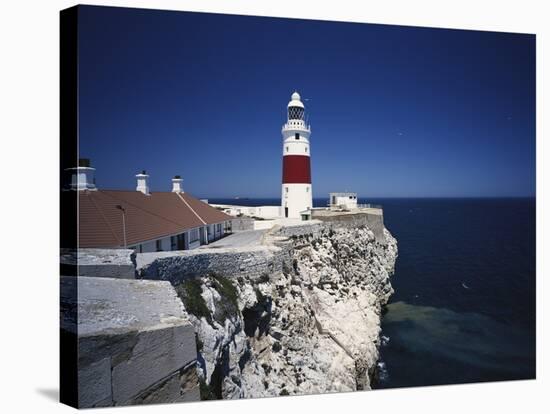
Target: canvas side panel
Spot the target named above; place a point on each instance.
(68, 127)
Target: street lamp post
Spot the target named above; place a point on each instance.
(123, 222)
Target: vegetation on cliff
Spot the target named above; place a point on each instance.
(190, 293)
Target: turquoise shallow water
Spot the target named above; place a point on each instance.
(424, 345)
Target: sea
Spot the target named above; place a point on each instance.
(464, 307)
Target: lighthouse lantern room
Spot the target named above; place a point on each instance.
(296, 199)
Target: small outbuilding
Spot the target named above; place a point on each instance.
(347, 201)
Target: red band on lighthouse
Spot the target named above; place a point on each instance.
(296, 169)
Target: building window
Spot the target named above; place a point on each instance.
(177, 242)
(193, 235)
(286, 189)
(286, 149)
(307, 189)
(296, 136)
(158, 244)
(306, 149)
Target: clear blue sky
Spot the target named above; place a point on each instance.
(395, 111)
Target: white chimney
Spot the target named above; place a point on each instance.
(143, 182)
(82, 177)
(176, 184)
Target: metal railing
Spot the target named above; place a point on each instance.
(359, 206)
(379, 206)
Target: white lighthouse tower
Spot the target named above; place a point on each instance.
(296, 199)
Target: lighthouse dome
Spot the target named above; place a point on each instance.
(295, 100)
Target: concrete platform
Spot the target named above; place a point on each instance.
(240, 239)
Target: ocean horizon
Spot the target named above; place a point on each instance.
(323, 201)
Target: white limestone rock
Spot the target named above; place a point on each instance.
(312, 328)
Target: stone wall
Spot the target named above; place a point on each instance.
(242, 224)
(299, 230)
(374, 221)
(135, 343)
(249, 262)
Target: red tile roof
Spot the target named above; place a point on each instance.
(148, 217)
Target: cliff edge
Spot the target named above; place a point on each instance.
(305, 320)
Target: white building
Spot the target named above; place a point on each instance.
(143, 220)
(347, 201)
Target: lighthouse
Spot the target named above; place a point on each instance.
(296, 198)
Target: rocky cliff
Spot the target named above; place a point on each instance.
(311, 325)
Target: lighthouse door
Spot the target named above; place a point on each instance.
(286, 212)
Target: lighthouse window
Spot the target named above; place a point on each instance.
(307, 189)
(286, 149)
(297, 136)
(306, 149)
(295, 113)
(286, 189)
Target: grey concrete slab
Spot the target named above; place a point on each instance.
(132, 335)
(97, 377)
(111, 263)
(123, 305)
(156, 355)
